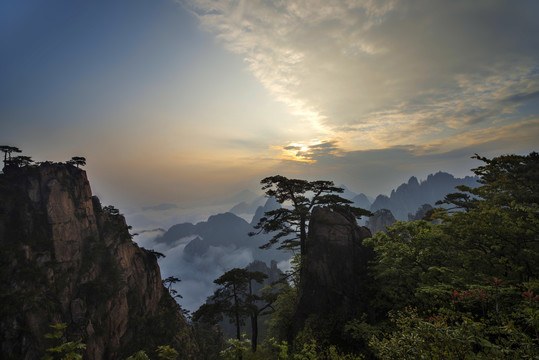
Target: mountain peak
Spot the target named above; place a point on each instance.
(413, 181)
(409, 197)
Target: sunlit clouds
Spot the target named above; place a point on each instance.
(311, 152)
(384, 73)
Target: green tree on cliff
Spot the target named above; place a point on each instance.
(289, 225)
(78, 161)
(20, 161)
(7, 150)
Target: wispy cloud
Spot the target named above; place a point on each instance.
(312, 151)
(383, 73)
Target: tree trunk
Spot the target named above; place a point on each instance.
(254, 329)
(236, 313)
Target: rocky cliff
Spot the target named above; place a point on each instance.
(65, 258)
(380, 220)
(334, 275)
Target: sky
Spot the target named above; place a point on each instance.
(190, 101)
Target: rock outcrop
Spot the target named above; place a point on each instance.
(380, 220)
(334, 274)
(66, 259)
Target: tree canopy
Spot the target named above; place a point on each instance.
(236, 300)
(8, 150)
(467, 284)
(289, 224)
(501, 223)
(19, 161)
(78, 161)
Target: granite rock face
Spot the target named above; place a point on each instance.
(380, 220)
(334, 276)
(65, 258)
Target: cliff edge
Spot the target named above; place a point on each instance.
(65, 258)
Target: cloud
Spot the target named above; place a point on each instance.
(381, 73)
(311, 152)
(522, 97)
(376, 171)
(197, 275)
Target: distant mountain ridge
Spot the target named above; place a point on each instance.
(409, 197)
(248, 207)
(361, 201)
(223, 230)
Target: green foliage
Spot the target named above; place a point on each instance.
(237, 301)
(508, 178)
(498, 234)
(308, 348)
(63, 350)
(166, 352)
(270, 349)
(7, 150)
(452, 335)
(209, 339)
(284, 305)
(361, 331)
(19, 161)
(169, 282)
(473, 277)
(71, 350)
(163, 352)
(236, 349)
(289, 225)
(416, 263)
(280, 324)
(139, 355)
(77, 160)
(276, 349)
